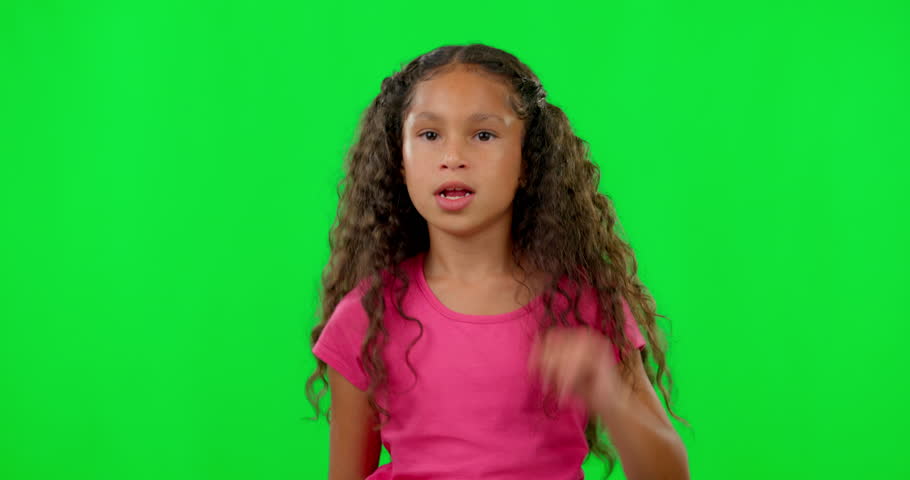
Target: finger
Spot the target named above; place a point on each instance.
(534, 356)
(565, 384)
(574, 364)
(546, 369)
(553, 358)
(548, 363)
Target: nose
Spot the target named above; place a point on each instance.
(452, 159)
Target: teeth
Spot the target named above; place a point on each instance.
(443, 194)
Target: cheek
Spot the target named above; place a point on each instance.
(408, 169)
(412, 152)
(416, 183)
(412, 160)
(509, 171)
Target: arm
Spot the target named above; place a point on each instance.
(647, 443)
(354, 446)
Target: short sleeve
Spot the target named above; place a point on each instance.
(339, 343)
(631, 326)
(588, 304)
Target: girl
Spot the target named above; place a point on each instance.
(480, 316)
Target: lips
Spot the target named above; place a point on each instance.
(454, 189)
(453, 200)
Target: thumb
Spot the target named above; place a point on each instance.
(534, 355)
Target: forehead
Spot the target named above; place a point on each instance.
(460, 94)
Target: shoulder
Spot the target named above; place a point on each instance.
(591, 308)
(349, 314)
(351, 304)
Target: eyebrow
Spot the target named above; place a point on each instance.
(475, 117)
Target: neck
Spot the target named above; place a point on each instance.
(472, 257)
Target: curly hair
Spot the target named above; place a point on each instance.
(562, 225)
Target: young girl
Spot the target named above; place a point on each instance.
(480, 316)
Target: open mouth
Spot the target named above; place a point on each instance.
(455, 193)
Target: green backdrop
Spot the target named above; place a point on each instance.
(167, 182)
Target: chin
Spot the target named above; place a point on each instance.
(458, 227)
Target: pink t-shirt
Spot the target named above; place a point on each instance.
(476, 410)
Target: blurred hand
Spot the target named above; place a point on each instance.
(579, 361)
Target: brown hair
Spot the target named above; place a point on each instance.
(562, 225)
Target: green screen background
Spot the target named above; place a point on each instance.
(167, 182)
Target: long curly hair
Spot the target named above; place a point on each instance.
(562, 225)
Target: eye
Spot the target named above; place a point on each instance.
(422, 134)
(484, 132)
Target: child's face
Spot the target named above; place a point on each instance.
(450, 145)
